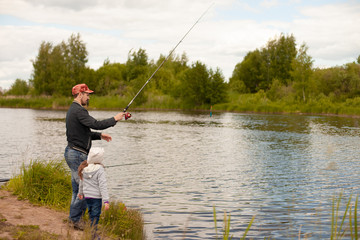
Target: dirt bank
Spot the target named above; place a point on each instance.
(18, 212)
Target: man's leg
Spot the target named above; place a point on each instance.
(73, 159)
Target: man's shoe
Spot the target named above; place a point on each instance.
(79, 225)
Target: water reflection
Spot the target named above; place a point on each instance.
(177, 166)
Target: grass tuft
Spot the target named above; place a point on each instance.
(44, 183)
(123, 222)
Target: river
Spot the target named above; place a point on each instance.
(177, 166)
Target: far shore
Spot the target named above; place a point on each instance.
(63, 108)
(245, 104)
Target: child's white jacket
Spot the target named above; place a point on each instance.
(94, 183)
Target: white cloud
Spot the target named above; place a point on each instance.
(330, 32)
(269, 3)
(111, 28)
(67, 4)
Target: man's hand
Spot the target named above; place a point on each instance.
(119, 116)
(106, 137)
(80, 196)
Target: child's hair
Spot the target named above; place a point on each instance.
(83, 165)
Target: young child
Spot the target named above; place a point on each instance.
(93, 184)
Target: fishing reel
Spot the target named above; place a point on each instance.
(127, 115)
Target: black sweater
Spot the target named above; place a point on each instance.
(78, 124)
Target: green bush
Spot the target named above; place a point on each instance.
(45, 183)
(122, 222)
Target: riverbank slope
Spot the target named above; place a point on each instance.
(14, 212)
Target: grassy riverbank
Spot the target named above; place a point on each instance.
(49, 184)
(256, 103)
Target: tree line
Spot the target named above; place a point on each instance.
(280, 70)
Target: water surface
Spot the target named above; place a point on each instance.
(176, 166)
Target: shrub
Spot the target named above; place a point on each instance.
(119, 221)
(47, 183)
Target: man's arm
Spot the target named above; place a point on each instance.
(91, 122)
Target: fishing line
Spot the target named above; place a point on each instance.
(125, 109)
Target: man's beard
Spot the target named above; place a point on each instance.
(85, 104)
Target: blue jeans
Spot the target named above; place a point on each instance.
(73, 159)
(94, 208)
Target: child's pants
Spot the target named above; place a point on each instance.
(94, 207)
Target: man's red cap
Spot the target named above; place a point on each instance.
(81, 88)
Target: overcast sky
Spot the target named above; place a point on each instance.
(229, 30)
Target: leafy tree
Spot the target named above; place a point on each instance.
(137, 68)
(249, 72)
(136, 65)
(163, 81)
(19, 88)
(260, 67)
(111, 79)
(352, 79)
(74, 59)
(274, 93)
(201, 86)
(88, 75)
(217, 87)
(235, 82)
(327, 80)
(166, 78)
(280, 53)
(194, 85)
(41, 76)
(339, 82)
(57, 72)
(57, 69)
(302, 70)
(177, 63)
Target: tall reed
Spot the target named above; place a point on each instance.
(344, 225)
(226, 228)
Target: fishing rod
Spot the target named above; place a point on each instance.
(128, 115)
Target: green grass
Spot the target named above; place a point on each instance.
(258, 103)
(25, 232)
(35, 102)
(119, 221)
(48, 183)
(44, 183)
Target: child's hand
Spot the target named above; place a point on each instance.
(80, 196)
(107, 206)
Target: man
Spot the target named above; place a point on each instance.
(79, 137)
